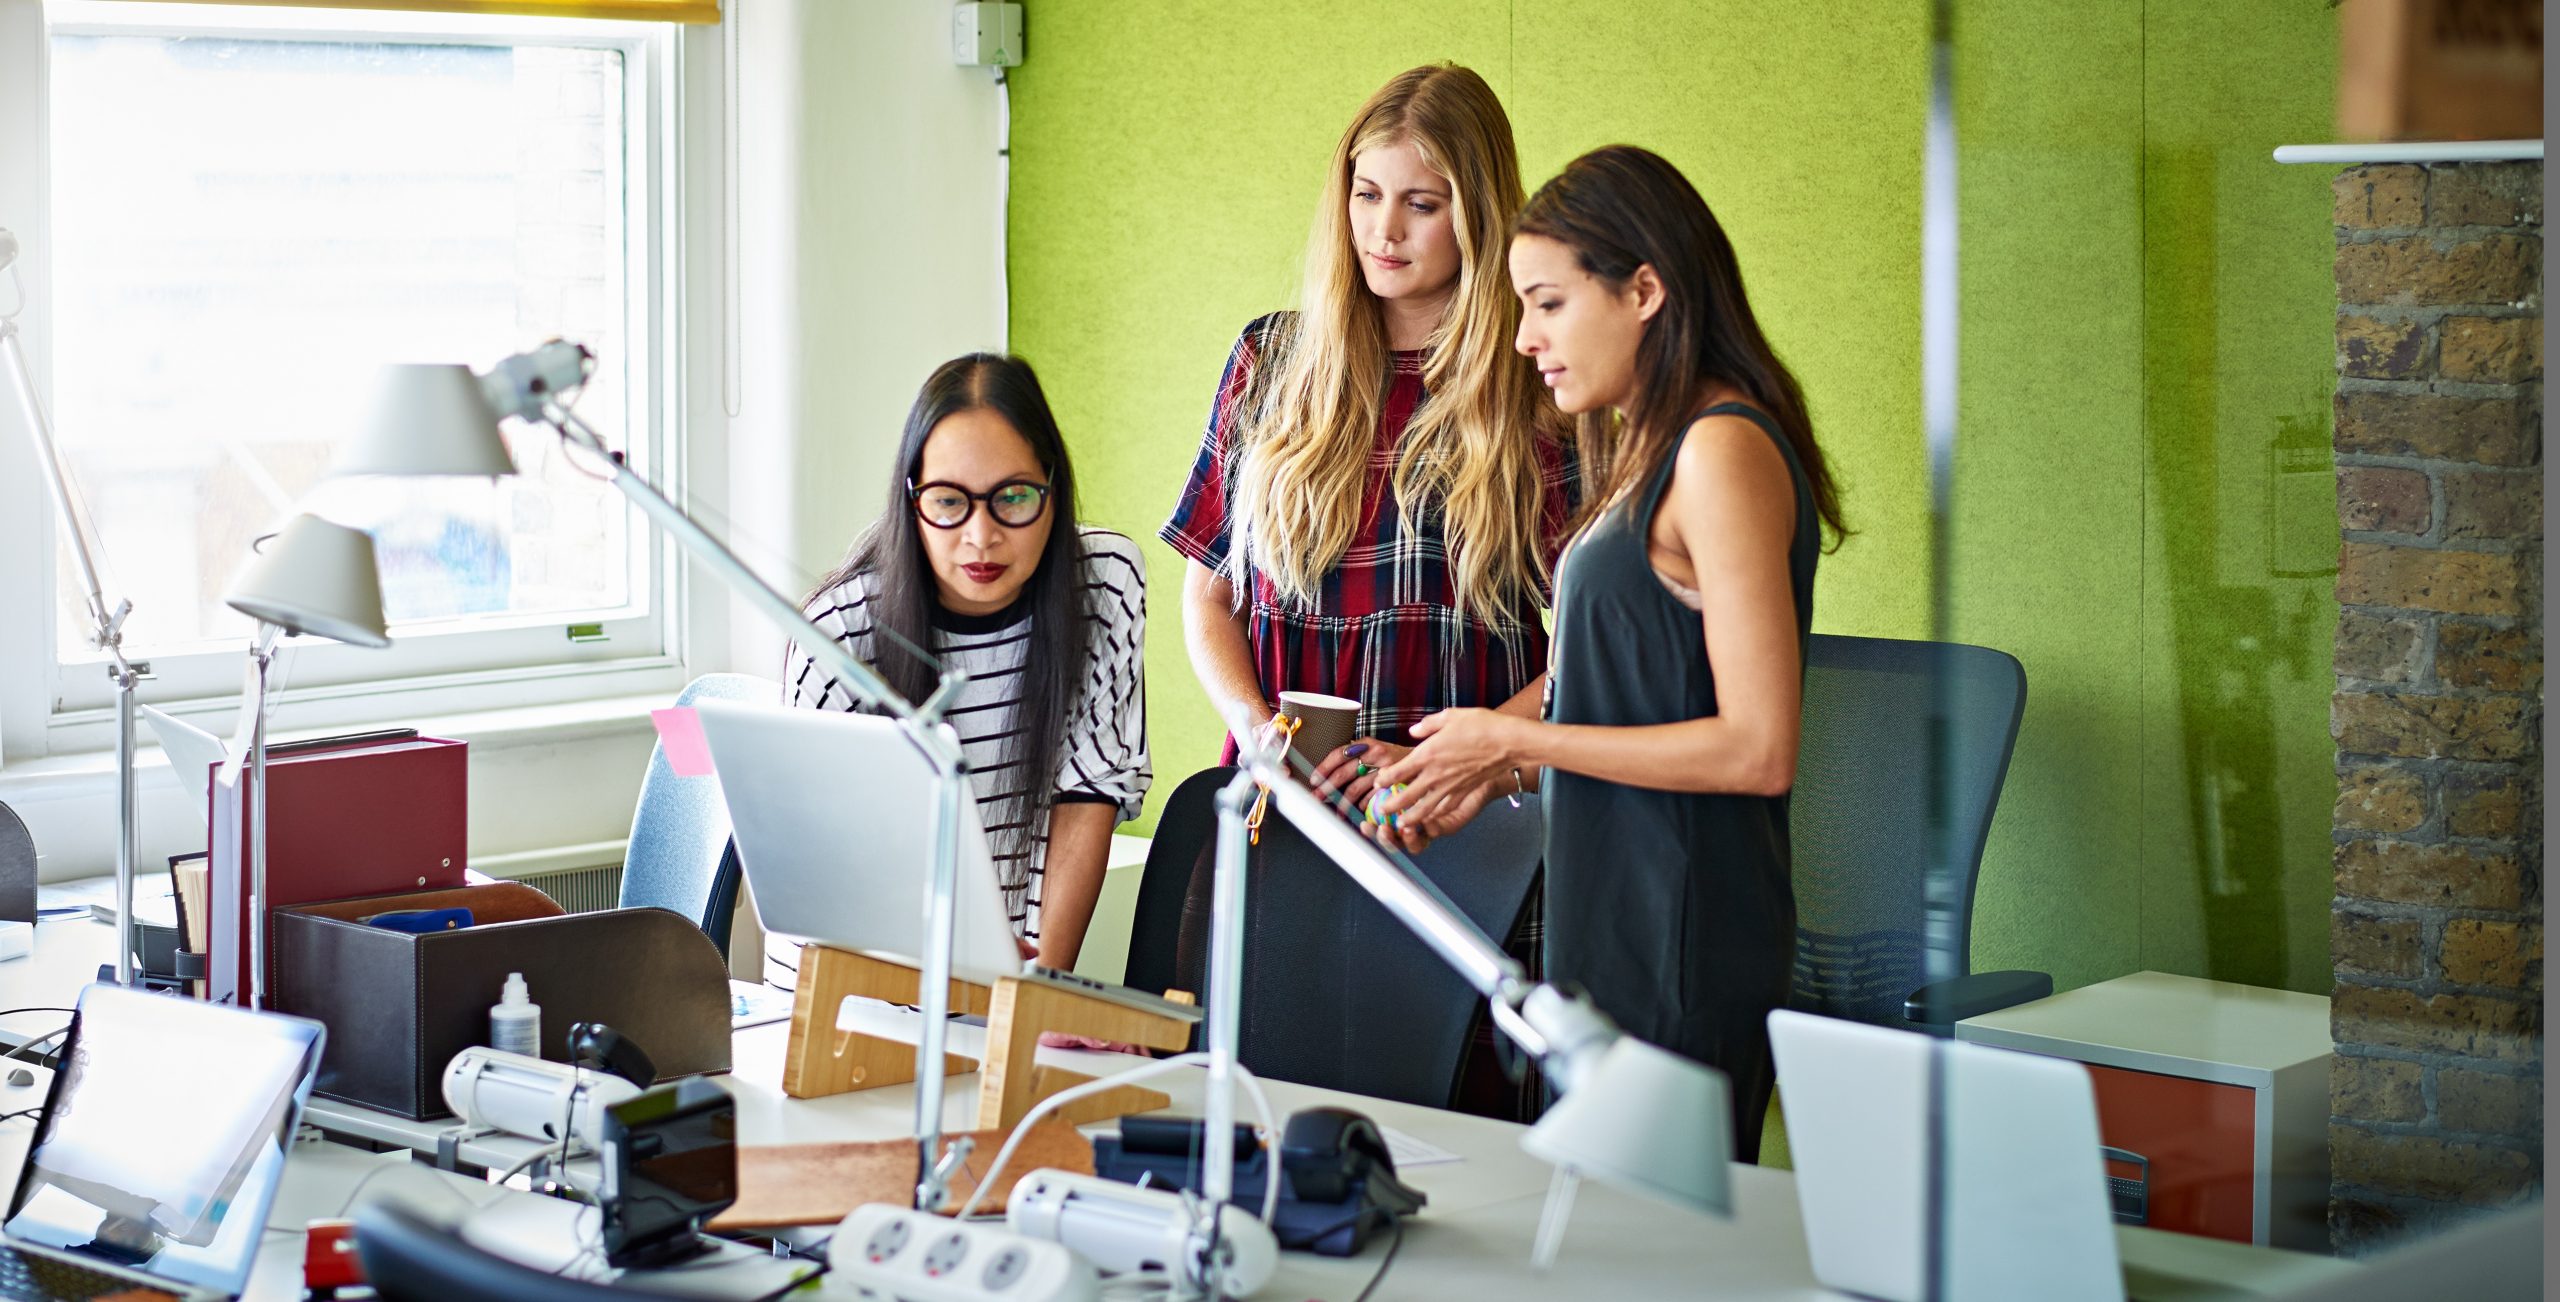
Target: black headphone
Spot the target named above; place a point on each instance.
(598, 1047)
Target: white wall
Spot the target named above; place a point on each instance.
(871, 220)
(868, 215)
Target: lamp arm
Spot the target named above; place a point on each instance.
(1563, 1030)
(1408, 895)
(108, 620)
(864, 681)
(924, 730)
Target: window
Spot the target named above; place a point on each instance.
(245, 213)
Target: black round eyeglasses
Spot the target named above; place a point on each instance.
(1015, 503)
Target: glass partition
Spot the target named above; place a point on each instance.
(2246, 479)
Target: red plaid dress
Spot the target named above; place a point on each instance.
(1385, 628)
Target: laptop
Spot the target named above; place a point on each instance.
(158, 1150)
(833, 815)
(2026, 1211)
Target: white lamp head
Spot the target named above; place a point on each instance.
(1643, 1118)
(315, 577)
(426, 420)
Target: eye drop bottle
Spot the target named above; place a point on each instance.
(515, 1021)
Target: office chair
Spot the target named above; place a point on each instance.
(1184, 825)
(410, 1258)
(1337, 993)
(680, 858)
(1860, 823)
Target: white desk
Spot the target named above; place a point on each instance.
(1471, 1242)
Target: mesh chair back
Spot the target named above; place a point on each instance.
(1859, 817)
(680, 858)
(1184, 825)
(1339, 994)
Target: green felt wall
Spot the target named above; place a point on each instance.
(1167, 159)
(2146, 316)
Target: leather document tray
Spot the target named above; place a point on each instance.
(400, 1004)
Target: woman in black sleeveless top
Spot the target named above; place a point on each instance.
(1676, 683)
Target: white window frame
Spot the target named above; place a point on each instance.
(56, 704)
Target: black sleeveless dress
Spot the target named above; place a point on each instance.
(1675, 911)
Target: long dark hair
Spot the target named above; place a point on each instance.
(1619, 208)
(903, 596)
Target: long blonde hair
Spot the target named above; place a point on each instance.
(1469, 451)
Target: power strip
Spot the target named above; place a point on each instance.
(1121, 1227)
(918, 1257)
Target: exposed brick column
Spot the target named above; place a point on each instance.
(2436, 1094)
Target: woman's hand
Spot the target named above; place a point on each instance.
(1354, 768)
(1415, 835)
(1447, 777)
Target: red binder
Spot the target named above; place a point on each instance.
(367, 817)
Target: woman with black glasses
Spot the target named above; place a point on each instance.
(978, 560)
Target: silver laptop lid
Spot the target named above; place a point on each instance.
(2026, 1211)
(833, 814)
(164, 1136)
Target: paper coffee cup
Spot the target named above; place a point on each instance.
(1325, 723)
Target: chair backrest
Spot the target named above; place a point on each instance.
(1337, 993)
(1871, 759)
(409, 1258)
(1184, 825)
(679, 858)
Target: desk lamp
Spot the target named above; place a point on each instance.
(106, 630)
(1631, 1114)
(314, 577)
(444, 420)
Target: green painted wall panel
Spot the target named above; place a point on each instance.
(1167, 159)
(2142, 502)
(1801, 125)
(1167, 162)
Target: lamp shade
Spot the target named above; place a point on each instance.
(426, 420)
(315, 577)
(1645, 1119)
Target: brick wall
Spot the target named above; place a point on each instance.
(2436, 1091)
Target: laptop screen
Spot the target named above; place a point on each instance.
(164, 1137)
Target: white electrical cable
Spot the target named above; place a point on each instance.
(1252, 1088)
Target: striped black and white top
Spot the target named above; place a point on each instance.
(1103, 756)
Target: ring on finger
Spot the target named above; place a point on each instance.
(1361, 770)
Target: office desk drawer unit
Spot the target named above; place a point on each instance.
(2221, 1089)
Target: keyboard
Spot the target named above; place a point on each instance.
(28, 1278)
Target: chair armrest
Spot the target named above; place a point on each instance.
(1945, 1003)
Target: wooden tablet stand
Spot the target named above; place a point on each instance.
(823, 1060)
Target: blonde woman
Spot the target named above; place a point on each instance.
(1383, 484)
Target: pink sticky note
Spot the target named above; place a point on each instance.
(680, 736)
